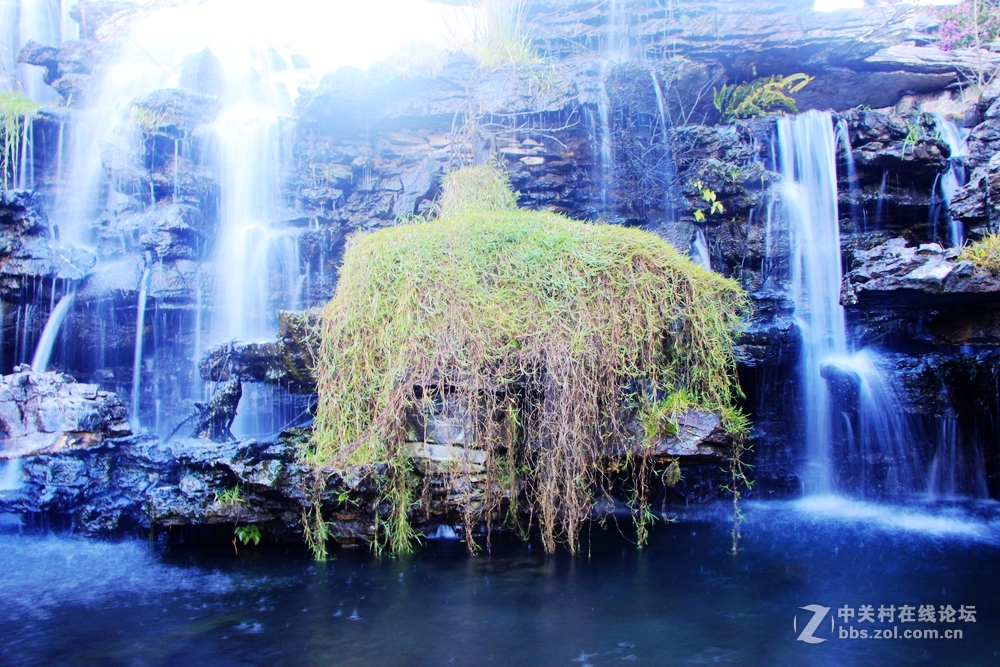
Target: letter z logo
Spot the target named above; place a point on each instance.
(819, 613)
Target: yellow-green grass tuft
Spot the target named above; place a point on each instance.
(984, 253)
(579, 339)
(503, 33)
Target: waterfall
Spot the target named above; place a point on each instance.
(699, 250)
(953, 179)
(140, 325)
(40, 360)
(242, 149)
(252, 245)
(854, 189)
(25, 177)
(880, 203)
(807, 159)
(10, 474)
(255, 264)
(615, 49)
(604, 155)
(669, 169)
(956, 470)
(849, 411)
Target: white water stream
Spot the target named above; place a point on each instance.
(879, 455)
(955, 177)
(40, 360)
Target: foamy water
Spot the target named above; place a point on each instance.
(976, 522)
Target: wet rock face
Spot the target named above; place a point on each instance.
(125, 486)
(27, 248)
(68, 69)
(51, 411)
(868, 57)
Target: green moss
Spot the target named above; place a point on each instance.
(562, 334)
(984, 254)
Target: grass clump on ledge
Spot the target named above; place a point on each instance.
(576, 344)
(502, 33)
(984, 253)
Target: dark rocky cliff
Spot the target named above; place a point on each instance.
(367, 147)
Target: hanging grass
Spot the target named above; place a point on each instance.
(573, 346)
(16, 113)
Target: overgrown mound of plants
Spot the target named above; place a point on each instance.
(573, 346)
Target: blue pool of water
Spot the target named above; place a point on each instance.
(683, 600)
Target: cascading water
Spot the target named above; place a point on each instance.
(950, 181)
(251, 247)
(699, 244)
(40, 360)
(615, 50)
(958, 468)
(140, 326)
(807, 154)
(252, 266)
(10, 474)
(845, 399)
(251, 253)
(857, 212)
(699, 250)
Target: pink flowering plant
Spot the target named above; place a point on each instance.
(959, 23)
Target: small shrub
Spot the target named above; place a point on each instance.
(709, 195)
(959, 24)
(147, 120)
(760, 96)
(984, 254)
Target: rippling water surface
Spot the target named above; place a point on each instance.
(683, 600)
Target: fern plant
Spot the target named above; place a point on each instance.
(760, 96)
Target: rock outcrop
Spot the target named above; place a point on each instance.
(51, 412)
(894, 274)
